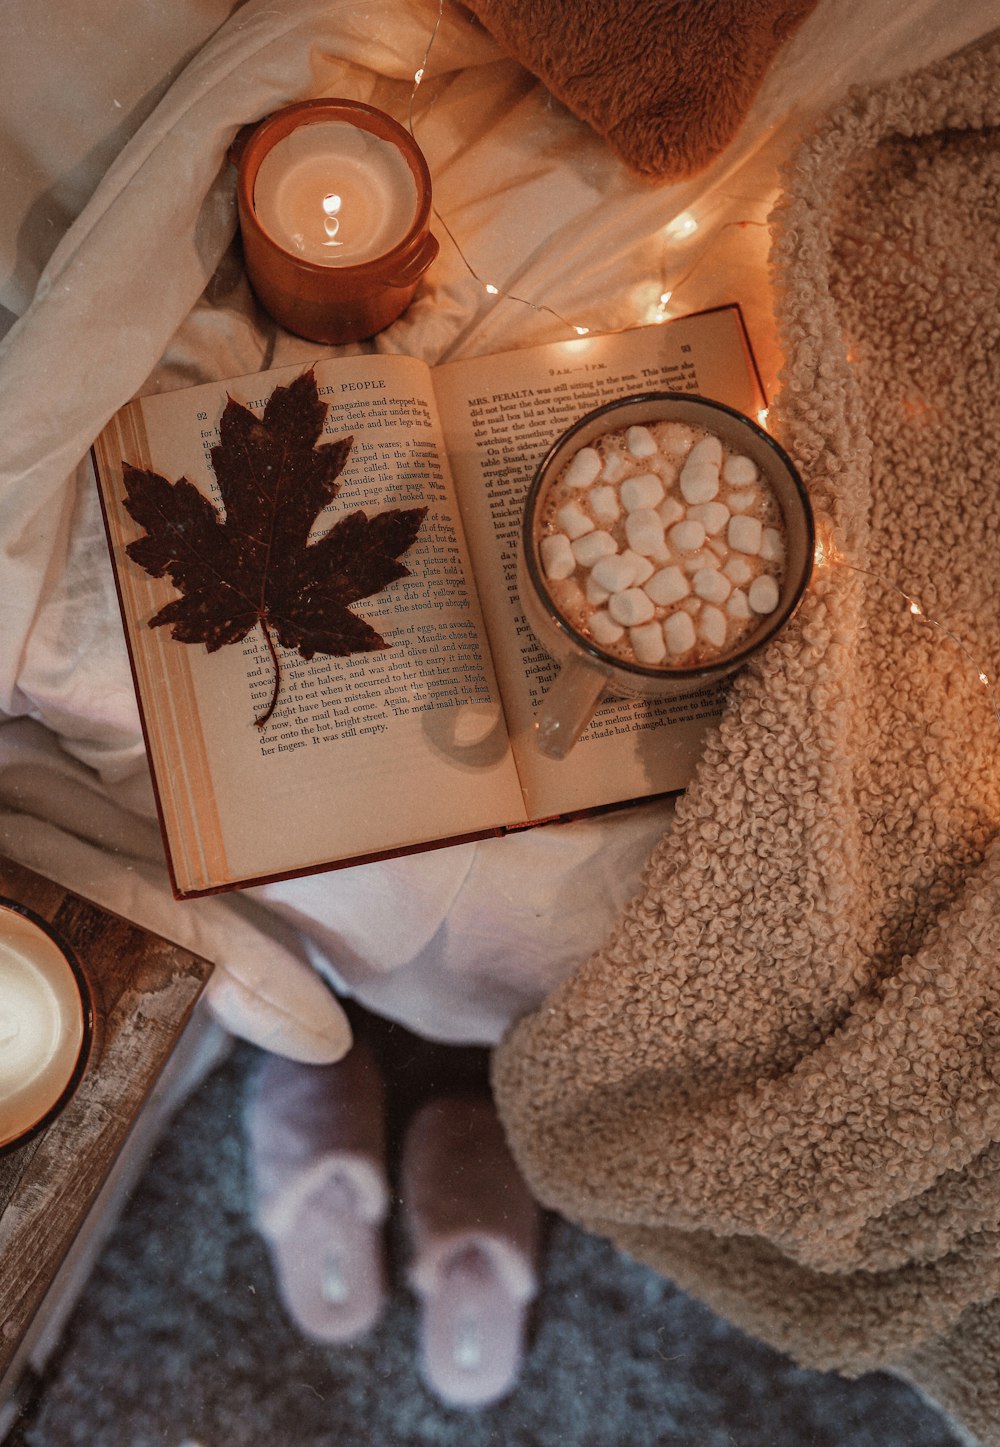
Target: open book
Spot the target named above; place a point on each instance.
(427, 741)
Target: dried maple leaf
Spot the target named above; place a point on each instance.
(256, 565)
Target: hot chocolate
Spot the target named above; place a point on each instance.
(662, 545)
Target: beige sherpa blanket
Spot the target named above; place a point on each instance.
(779, 1080)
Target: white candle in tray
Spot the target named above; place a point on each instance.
(43, 1024)
(335, 194)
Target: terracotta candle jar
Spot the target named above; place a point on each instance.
(46, 1024)
(334, 203)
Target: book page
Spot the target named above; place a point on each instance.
(364, 754)
(501, 415)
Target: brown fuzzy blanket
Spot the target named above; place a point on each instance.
(667, 83)
(779, 1080)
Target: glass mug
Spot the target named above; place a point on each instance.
(586, 670)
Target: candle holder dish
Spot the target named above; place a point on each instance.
(322, 301)
(46, 1024)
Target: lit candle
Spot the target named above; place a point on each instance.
(335, 194)
(44, 1024)
(334, 201)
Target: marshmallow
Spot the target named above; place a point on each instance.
(572, 598)
(667, 586)
(738, 471)
(713, 516)
(603, 628)
(631, 607)
(710, 584)
(699, 481)
(737, 605)
(557, 556)
(648, 643)
(614, 469)
(642, 568)
(738, 571)
(712, 626)
(644, 531)
(592, 546)
(614, 572)
(686, 536)
(584, 468)
(573, 520)
(676, 438)
(678, 633)
(645, 490)
(595, 593)
(763, 594)
(604, 505)
(708, 449)
(671, 510)
(705, 559)
(640, 442)
(742, 501)
(744, 534)
(772, 546)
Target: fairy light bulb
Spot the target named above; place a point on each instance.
(659, 310)
(683, 225)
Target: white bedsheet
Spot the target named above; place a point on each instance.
(116, 222)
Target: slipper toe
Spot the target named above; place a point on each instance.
(473, 1328)
(330, 1261)
(474, 1229)
(316, 1137)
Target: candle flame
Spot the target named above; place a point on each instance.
(331, 204)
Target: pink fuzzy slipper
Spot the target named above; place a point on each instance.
(474, 1230)
(317, 1142)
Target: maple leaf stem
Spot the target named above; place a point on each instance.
(262, 720)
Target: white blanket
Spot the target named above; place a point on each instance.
(116, 225)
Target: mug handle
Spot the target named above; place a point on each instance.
(567, 707)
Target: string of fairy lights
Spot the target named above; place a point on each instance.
(488, 287)
(828, 555)
(680, 228)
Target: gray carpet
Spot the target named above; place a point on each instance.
(179, 1338)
